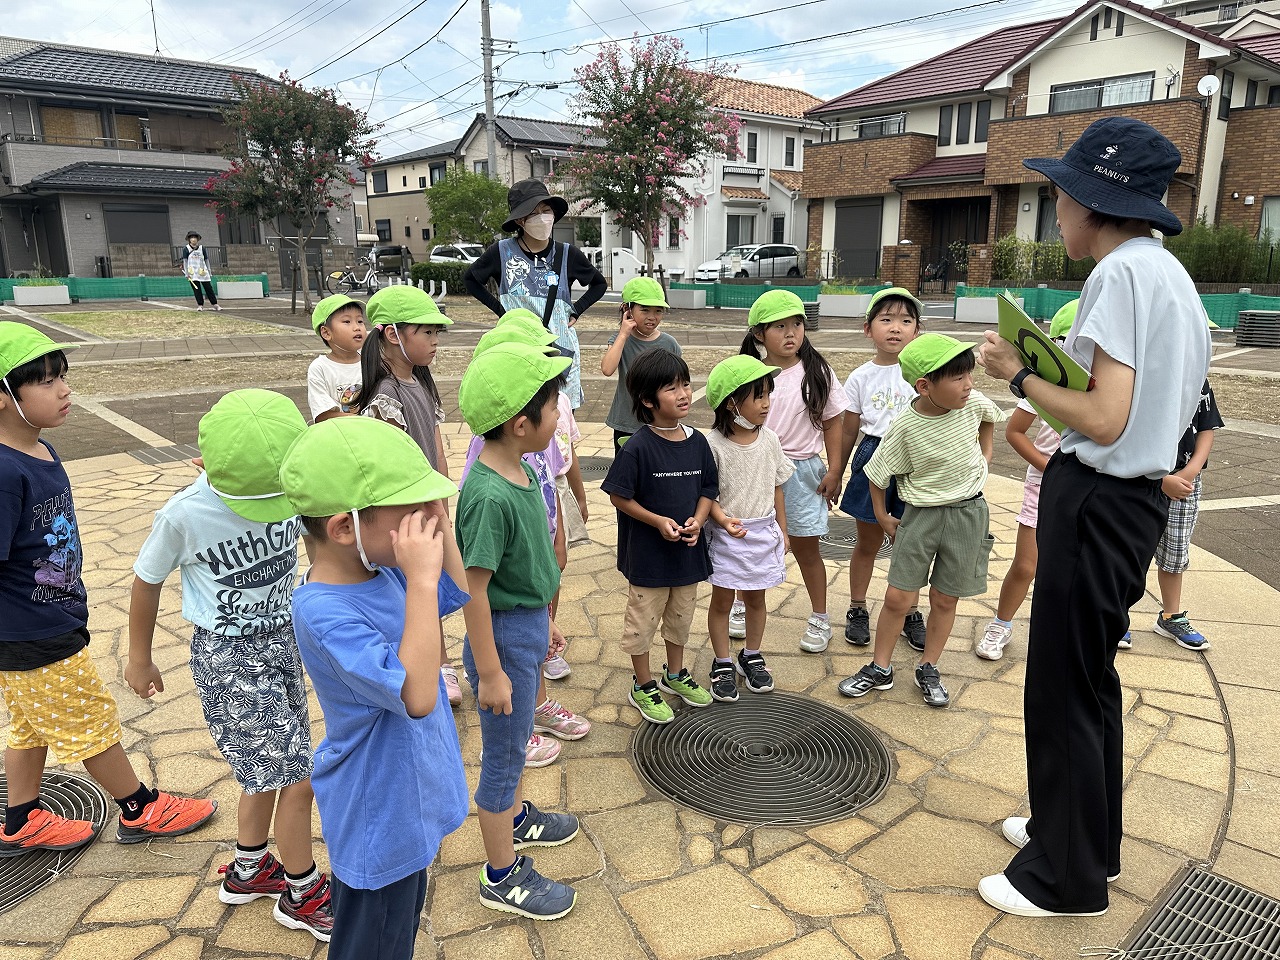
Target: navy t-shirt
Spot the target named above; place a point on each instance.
(41, 594)
(666, 478)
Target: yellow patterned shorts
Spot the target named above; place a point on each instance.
(64, 706)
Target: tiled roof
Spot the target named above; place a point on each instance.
(548, 132)
(787, 179)
(962, 69)
(1267, 47)
(751, 96)
(743, 193)
(55, 66)
(123, 178)
(971, 166)
(426, 153)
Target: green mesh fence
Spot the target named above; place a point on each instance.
(1042, 303)
(832, 289)
(744, 295)
(128, 288)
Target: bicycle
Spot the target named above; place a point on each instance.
(347, 281)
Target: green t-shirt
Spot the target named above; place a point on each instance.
(503, 527)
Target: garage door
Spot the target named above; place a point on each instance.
(857, 237)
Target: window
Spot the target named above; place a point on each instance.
(881, 126)
(964, 113)
(1106, 18)
(404, 181)
(739, 229)
(1273, 95)
(1251, 93)
(422, 183)
(80, 128)
(359, 223)
(1270, 226)
(752, 140)
(437, 172)
(426, 233)
(542, 167)
(408, 230)
(379, 181)
(481, 167)
(1047, 219)
(789, 153)
(1119, 23)
(944, 125)
(384, 229)
(1093, 28)
(981, 120)
(1224, 98)
(778, 233)
(1228, 12)
(1133, 88)
(673, 233)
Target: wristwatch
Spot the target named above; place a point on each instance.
(1015, 385)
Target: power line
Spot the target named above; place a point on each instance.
(411, 52)
(306, 25)
(342, 56)
(235, 51)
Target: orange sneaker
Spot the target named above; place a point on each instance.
(46, 831)
(166, 816)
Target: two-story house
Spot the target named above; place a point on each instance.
(1217, 16)
(919, 164)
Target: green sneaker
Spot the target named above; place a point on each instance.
(649, 702)
(683, 685)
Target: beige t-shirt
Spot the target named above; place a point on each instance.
(749, 472)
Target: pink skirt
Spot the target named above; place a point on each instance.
(754, 562)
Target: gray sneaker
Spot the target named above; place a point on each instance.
(871, 677)
(817, 634)
(914, 630)
(857, 626)
(1179, 629)
(539, 829)
(737, 620)
(527, 893)
(930, 684)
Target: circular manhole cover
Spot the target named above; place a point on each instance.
(842, 534)
(68, 796)
(594, 468)
(776, 758)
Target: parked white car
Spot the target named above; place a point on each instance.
(456, 253)
(766, 260)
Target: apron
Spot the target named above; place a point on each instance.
(523, 284)
(755, 562)
(197, 266)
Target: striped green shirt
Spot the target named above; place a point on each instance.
(937, 460)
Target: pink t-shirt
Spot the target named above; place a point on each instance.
(789, 419)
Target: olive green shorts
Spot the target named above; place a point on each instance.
(953, 540)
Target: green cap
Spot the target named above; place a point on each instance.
(350, 463)
(1061, 323)
(242, 440)
(645, 291)
(902, 292)
(517, 332)
(403, 304)
(501, 380)
(524, 317)
(774, 305)
(327, 307)
(728, 375)
(926, 353)
(21, 344)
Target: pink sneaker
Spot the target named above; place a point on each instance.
(451, 686)
(554, 719)
(540, 751)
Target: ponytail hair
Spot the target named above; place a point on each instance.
(815, 388)
(374, 368)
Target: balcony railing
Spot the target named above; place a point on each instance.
(111, 143)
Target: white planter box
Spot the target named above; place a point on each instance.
(978, 309)
(239, 290)
(41, 296)
(687, 299)
(843, 305)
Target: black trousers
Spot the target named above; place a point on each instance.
(208, 290)
(1097, 535)
(377, 924)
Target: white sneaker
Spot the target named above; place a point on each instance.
(738, 620)
(994, 639)
(817, 634)
(199, 309)
(1001, 894)
(1015, 831)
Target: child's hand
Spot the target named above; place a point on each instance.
(628, 324)
(494, 693)
(669, 529)
(144, 679)
(786, 542)
(1176, 487)
(582, 508)
(734, 528)
(889, 525)
(419, 547)
(829, 487)
(557, 643)
(691, 530)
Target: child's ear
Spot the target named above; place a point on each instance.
(323, 329)
(340, 529)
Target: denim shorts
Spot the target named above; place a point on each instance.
(856, 501)
(806, 511)
(521, 636)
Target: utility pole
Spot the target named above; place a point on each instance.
(486, 49)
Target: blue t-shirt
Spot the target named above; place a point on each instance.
(667, 478)
(237, 575)
(41, 593)
(389, 787)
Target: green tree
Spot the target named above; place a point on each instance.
(467, 206)
(653, 132)
(291, 149)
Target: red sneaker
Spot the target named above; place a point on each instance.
(46, 831)
(165, 816)
(313, 913)
(267, 881)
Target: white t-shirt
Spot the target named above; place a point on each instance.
(749, 472)
(789, 419)
(331, 385)
(1140, 307)
(877, 393)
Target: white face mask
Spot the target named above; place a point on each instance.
(538, 226)
(741, 422)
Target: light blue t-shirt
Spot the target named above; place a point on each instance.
(237, 575)
(389, 787)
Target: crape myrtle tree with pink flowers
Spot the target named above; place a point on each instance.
(651, 130)
(291, 150)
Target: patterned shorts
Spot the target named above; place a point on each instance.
(1173, 552)
(255, 703)
(85, 721)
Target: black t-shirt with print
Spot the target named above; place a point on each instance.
(1206, 417)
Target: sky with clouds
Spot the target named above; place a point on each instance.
(431, 94)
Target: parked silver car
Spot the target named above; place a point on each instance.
(767, 260)
(460, 252)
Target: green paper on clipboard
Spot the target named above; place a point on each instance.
(1050, 362)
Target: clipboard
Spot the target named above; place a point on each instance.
(1050, 362)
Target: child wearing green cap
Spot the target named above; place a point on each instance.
(388, 776)
(233, 536)
(939, 449)
(333, 380)
(44, 619)
(508, 396)
(643, 307)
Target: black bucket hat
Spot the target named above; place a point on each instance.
(1119, 166)
(524, 196)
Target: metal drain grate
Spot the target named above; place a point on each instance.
(154, 455)
(1210, 916)
(68, 796)
(777, 758)
(594, 468)
(842, 534)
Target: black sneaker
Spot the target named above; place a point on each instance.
(724, 684)
(870, 677)
(759, 679)
(913, 630)
(930, 684)
(857, 626)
